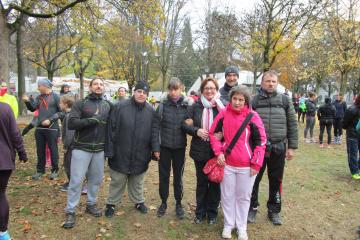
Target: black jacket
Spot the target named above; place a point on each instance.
(89, 118)
(133, 135)
(340, 107)
(172, 116)
(199, 150)
(326, 112)
(351, 117)
(310, 108)
(224, 93)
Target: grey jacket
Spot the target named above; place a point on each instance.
(278, 115)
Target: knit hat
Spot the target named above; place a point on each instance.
(45, 82)
(143, 86)
(232, 69)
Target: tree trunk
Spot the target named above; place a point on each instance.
(20, 65)
(254, 82)
(163, 74)
(4, 49)
(50, 75)
(343, 81)
(81, 76)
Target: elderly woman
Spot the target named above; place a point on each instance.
(242, 163)
(202, 114)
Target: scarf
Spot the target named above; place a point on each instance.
(207, 115)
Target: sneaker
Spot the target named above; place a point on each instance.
(275, 218)
(313, 140)
(110, 210)
(141, 208)
(37, 176)
(252, 215)
(328, 146)
(69, 221)
(84, 189)
(5, 236)
(161, 210)
(53, 176)
(198, 220)
(93, 210)
(179, 211)
(321, 145)
(64, 187)
(307, 140)
(356, 176)
(212, 221)
(226, 233)
(242, 235)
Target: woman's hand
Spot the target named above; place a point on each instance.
(203, 134)
(221, 159)
(46, 123)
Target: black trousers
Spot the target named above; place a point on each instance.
(175, 158)
(325, 123)
(4, 204)
(301, 115)
(67, 161)
(207, 194)
(338, 127)
(45, 136)
(275, 164)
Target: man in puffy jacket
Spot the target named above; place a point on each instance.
(326, 115)
(278, 115)
(340, 107)
(88, 117)
(133, 137)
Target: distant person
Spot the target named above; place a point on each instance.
(120, 95)
(286, 92)
(310, 117)
(302, 108)
(295, 100)
(10, 142)
(153, 101)
(65, 89)
(231, 80)
(326, 115)
(351, 118)
(340, 107)
(9, 99)
(194, 96)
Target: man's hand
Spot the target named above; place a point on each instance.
(221, 159)
(46, 123)
(290, 153)
(157, 155)
(218, 135)
(203, 134)
(25, 98)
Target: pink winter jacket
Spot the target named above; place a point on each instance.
(249, 150)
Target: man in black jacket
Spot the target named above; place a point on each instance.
(88, 118)
(231, 77)
(133, 137)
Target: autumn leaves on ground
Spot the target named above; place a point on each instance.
(320, 202)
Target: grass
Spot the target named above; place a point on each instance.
(320, 201)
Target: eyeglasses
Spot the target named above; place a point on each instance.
(209, 89)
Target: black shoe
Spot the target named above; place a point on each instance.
(198, 220)
(212, 221)
(179, 211)
(93, 210)
(110, 210)
(69, 221)
(252, 215)
(141, 208)
(275, 218)
(64, 187)
(161, 210)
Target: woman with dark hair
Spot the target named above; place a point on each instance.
(351, 118)
(326, 115)
(10, 140)
(244, 161)
(200, 117)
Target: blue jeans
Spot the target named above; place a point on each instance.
(353, 152)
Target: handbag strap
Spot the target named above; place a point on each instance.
(238, 133)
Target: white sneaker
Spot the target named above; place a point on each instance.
(226, 233)
(242, 235)
(307, 140)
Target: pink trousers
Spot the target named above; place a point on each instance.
(236, 189)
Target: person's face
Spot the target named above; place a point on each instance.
(63, 106)
(174, 93)
(269, 83)
(140, 96)
(209, 90)
(338, 97)
(66, 89)
(231, 79)
(295, 95)
(97, 86)
(121, 92)
(42, 89)
(238, 101)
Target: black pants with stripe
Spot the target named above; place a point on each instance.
(175, 158)
(45, 136)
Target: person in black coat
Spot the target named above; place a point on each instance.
(133, 137)
(326, 115)
(340, 107)
(172, 112)
(202, 114)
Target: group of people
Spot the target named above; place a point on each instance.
(244, 134)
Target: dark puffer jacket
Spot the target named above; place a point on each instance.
(199, 150)
(351, 117)
(172, 123)
(326, 112)
(278, 117)
(133, 135)
(340, 107)
(310, 108)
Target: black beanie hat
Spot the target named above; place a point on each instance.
(232, 69)
(143, 86)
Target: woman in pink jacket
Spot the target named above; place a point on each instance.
(244, 161)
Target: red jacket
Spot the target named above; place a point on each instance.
(249, 149)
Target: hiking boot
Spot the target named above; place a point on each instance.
(252, 215)
(110, 210)
(355, 176)
(64, 187)
(212, 220)
(275, 218)
(141, 208)
(53, 176)
(93, 210)
(179, 211)
(69, 221)
(198, 220)
(226, 233)
(161, 210)
(37, 176)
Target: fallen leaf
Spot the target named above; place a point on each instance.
(119, 213)
(138, 225)
(102, 223)
(172, 224)
(27, 227)
(152, 207)
(102, 230)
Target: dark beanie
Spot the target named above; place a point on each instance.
(232, 69)
(45, 82)
(327, 100)
(143, 86)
